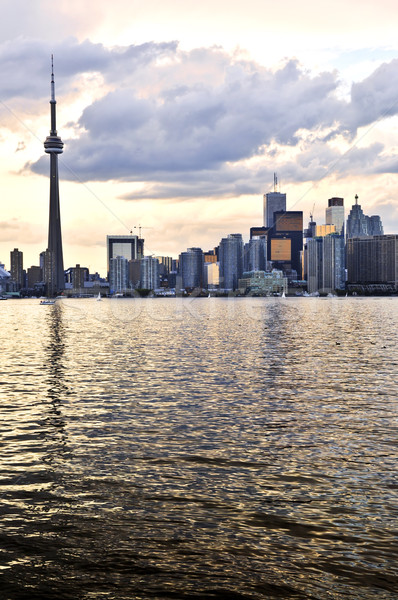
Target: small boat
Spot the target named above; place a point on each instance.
(283, 295)
(99, 297)
(47, 301)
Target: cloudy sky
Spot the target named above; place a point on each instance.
(175, 115)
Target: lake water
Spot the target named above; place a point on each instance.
(199, 448)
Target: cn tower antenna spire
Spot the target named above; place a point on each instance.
(52, 79)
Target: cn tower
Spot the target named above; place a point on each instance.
(54, 262)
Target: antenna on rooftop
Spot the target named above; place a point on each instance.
(275, 183)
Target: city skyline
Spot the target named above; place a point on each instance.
(178, 124)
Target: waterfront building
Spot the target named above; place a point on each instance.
(149, 274)
(191, 264)
(372, 263)
(54, 262)
(335, 214)
(325, 268)
(76, 277)
(34, 276)
(231, 261)
(263, 283)
(16, 269)
(5, 278)
(118, 274)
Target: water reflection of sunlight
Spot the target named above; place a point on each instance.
(55, 376)
(54, 354)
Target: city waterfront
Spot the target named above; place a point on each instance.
(226, 448)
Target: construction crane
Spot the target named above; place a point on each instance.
(139, 227)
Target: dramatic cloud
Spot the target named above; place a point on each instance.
(167, 116)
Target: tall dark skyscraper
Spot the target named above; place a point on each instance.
(54, 262)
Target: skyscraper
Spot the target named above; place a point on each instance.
(285, 242)
(360, 225)
(149, 278)
(256, 254)
(191, 268)
(231, 261)
(118, 274)
(273, 202)
(335, 214)
(333, 274)
(357, 222)
(54, 271)
(17, 274)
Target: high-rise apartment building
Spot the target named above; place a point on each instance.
(231, 261)
(16, 270)
(191, 264)
(118, 274)
(149, 278)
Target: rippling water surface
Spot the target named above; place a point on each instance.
(206, 448)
